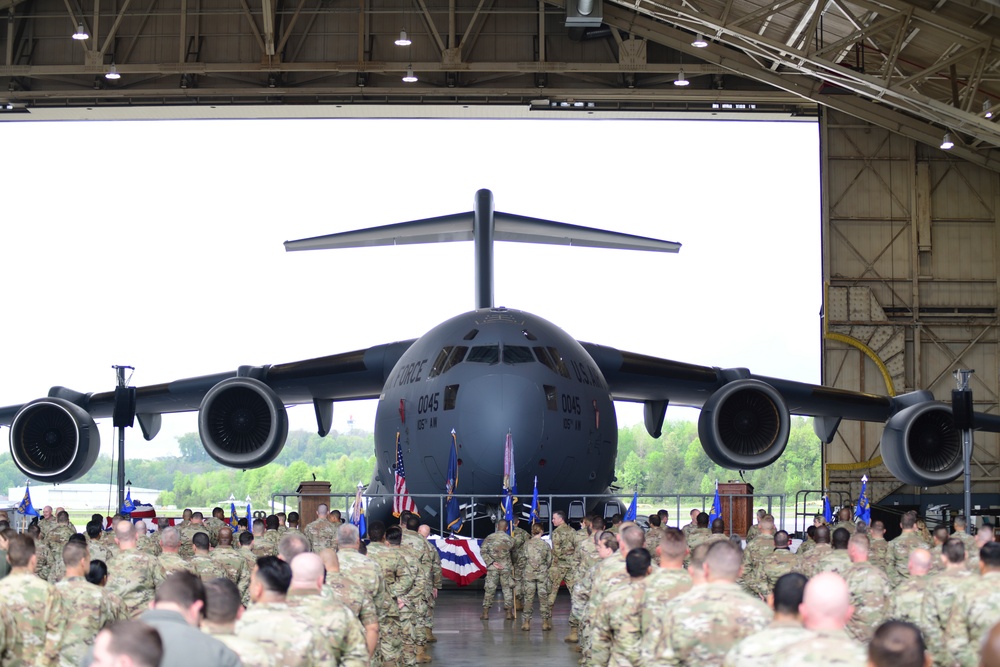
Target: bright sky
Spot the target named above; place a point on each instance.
(159, 244)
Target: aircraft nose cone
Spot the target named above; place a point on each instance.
(492, 405)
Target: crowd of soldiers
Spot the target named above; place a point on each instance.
(277, 595)
(697, 596)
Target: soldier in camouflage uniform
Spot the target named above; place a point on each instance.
(609, 575)
(236, 567)
(961, 533)
(898, 555)
(825, 611)
(35, 608)
(245, 549)
(605, 545)
(260, 546)
(754, 580)
(983, 536)
(196, 525)
(563, 560)
(942, 590)
(222, 606)
(655, 531)
(321, 533)
(495, 551)
(699, 627)
(617, 623)
(975, 610)
(271, 535)
(352, 595)
(86, 607)
(58, 535)
(691, 525)
(808, 564)
(436, 581)
(869, 588)
(42, 557)
(878, 549)
(399, 580)
(762, 649)
(906, 602)
(668, 580)
(133, 575)
(214, 524)
(700, 532)
(201, 563)
(754, 530)
(779, 562)
(837, 560)
(521, 537)
(95, 545)
(292, 526)
(535, 576)
(844, 521)
(144, 542)
(170, 559)
(939, 535)
(284, 631)
(587, 558)
(367, 573)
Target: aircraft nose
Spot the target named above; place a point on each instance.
(490, 406)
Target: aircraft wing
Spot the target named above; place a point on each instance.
(241, 413)
(744, 417)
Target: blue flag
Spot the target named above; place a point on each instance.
(716, 507)
(863, 511)
(630, 513)
(127, 506)
(827, 510)
(453, 514)
(234, 519)
(534, 504)
(25, 507)
(249, 516)
(509, 482)
(358, 514)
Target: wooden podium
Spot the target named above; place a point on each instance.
(313, 495)
(742, 508)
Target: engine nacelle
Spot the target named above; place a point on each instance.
(242, 423)
(54, 441)
(921, 446)
(744, 425)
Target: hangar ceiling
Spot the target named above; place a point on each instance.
(919, 68)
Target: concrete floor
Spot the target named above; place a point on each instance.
(463, 639)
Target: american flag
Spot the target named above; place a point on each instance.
(401, 502)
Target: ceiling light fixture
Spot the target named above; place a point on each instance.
(81, 32)
(699, 41)
(946, 143)
(987, 111)
(112, 73)
(410, 76)
(681, 80)
(403, 39)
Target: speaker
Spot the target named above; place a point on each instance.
(124, 414)
(962, 410)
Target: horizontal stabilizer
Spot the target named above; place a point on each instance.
(459, 227)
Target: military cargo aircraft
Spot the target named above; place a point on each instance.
(487, 373)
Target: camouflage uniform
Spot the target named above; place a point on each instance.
(335, 623)
(878, 552)
(587, 557)
(696, 536)
(57, 568)
(563, 560)
(268, 543)
(849, 526)
(237, 569)
(42, 559)
(777, 563)
(206, 568)
(898, 555)
(250, 652)
(147, 545)
(763, 648)
(495, 551)
(284, 634)
(944, 588)
(653, 537)
(906, 603)
(399, 580)
(423, 554)
(37, 615)
(870, 591)
(825, 647)
(808, 564)
(976, 609)
(322, 534)
(535, 577)
(805, 547)
(836, 560)
(351, 595)
(86, 609)
(659, 589)
(187, 532)
(367, 573)
(699, 627)
(617, 631)
(520, 537)
(609, 575)
(57, 537)
(99, 551)
(754, 556)
(214, 525)
(134, 576)
(688, 527)
(172, 562)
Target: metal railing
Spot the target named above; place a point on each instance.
(803, 497)
(432, 506)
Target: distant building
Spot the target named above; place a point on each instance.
(80, 496)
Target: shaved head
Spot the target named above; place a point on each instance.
(919, 563)
(826, 604)
(307, 571)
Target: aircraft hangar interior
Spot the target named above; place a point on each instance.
(903, 91)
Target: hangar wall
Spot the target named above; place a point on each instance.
(910, 271)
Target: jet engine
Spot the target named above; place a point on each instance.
(242, 423)
(53, 440)
(921, 446)
(744, 425)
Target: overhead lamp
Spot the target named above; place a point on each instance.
(112, 73)
(681, 80)
(410, 76)
(81, 32)
(987, 111)
(946, 143)
(403, 39)
(699, 41)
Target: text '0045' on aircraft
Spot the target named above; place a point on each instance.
(485, 374)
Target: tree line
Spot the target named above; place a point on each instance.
(673, 464)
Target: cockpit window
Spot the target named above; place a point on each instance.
(439, 361)
(551, 358)
(517, 354)
(472, 334)
(455, 358)
(484, 354)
